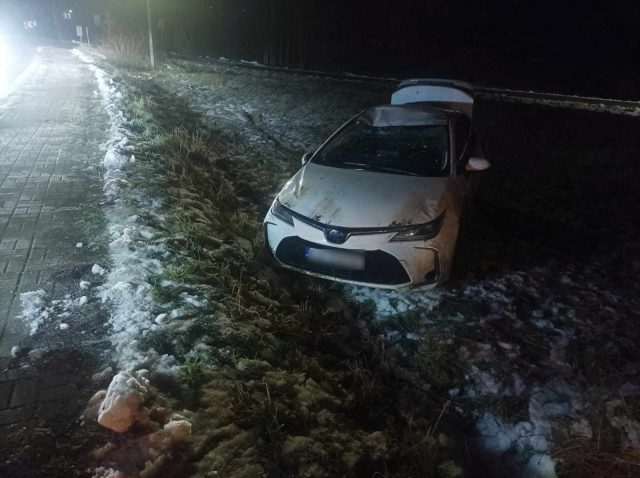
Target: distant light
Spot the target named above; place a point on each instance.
(6, 59)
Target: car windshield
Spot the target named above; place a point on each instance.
(413, 150)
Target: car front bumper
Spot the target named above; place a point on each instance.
(388, 264)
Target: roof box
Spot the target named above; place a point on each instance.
(452, 94)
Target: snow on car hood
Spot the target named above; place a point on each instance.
(356, 198)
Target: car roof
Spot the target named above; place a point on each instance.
(411, 114)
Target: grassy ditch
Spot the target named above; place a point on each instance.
(282, 376)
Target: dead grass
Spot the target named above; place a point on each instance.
(126, 49)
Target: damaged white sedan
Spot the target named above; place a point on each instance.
(379, 203)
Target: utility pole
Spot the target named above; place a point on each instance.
(150, 26)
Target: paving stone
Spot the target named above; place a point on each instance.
(5, 394)
(24, 392)
(58, 393)
(18, 373)
(55, 409)
(48, 381)
(15, 415)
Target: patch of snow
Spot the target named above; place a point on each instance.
(391, 302)
(63, 326)
(15, 351)
(134, 259)
(98, 270)
(179, 429)
(79, 245)
(123, 401)
(617, 414)
(33, 304)
(84, 284)
(193, 300)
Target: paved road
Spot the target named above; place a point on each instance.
(51, 126)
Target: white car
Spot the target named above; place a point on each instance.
(379, 203)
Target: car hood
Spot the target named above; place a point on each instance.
(357, 198)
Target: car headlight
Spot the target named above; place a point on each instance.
(420, 232)
(281, 212)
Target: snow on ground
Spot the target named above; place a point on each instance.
(33, 306)
(391, 302)
(134, 252)
(576, 104)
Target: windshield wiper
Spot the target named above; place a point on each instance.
(374, 168)
(358, 165)
(393, 170)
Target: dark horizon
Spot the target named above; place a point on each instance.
(509, 43)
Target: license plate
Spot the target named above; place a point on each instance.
(349, 260)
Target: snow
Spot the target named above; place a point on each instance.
(123, 400)
(559, 101)
(64, 326)
(178, 428)
(134, 258)
(33, 304)
(390, 302)
(79, 245)
(616, 413)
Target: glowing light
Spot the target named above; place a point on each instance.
(5, 63)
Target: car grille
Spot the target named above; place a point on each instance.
(380, 267)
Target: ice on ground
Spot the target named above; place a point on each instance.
(391, 302)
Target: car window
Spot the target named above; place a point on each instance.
(414, 150)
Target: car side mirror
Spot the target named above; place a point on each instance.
(306, 157)
(477, 164)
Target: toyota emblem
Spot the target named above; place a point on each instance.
(336, 236)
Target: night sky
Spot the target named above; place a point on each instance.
(586, 47)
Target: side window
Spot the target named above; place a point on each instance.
(463, 133)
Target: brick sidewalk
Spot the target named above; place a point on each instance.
(50, 131)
